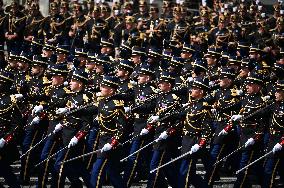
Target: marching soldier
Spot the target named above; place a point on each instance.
(112, 123)
(251, 128)
(74, 127)
(276, 141)
(226, 103)
(10, 123)
(57, 94)
(196, 135)
(37, 122)
(167, 133)
(141, 110)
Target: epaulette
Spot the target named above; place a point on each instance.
(234, 92)
(87, 70)
(118, 102)
(45, 80)
(86, 98)
(67, 90)
(47, 90)
(13, 99)
(130, 86)
(28, 78)
(205, 103)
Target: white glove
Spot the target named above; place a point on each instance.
(38, 109)
(266, 98)
(133, 83)
(61, 110)
(236, 117)
(57, 128)
(2, 142)
(185, 105)
(106, 147)
(213, 110)
(65, 83)
(189, 79)
(164, 135)
(36, 120)
(194, 148)
(239, 92)
(73, 142)
(153, 119)
(98, 94)
(222, 133)
(249, 142)
(211, 83)
(144, 132)
(127, 109)
(18, 96)
(277, 147)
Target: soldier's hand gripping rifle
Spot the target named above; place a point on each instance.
(256, 136)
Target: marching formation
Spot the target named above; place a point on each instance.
(119, 92)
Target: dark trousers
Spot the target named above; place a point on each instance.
(92, 144)
(110, 166)
(157, 179)
(272, 165)
(187, 171)
(31, 137)
(6, 172)
(244, 178)
(52, 144)
(134, 163)
(72, 170)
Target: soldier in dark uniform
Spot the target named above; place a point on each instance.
(37, 122)
(137, 56)
(53, 26)
(275, 162)
(143, 10)
(10, 123)
(178, 29)
(167, 133)
(62, 52)
(81, 56)
(141, 112)
(212, 58)
(48, 51)
(64, 9)
(219, 35)
(12, 63)
(196, 134)
(112, 123)
(252, 128)
(14, 24)
(226, 103)
(123, 72)
(22, 81)
(154, 60)
(78, 23)
(75, 127)
(34, 23)
(107, 47)
(57, 94)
